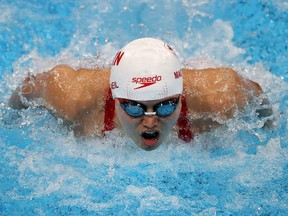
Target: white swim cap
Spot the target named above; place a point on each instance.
(146, 69)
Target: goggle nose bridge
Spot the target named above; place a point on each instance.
(149, 113)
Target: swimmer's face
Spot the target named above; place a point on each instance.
(148, 130)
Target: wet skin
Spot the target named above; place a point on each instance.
(212, 96)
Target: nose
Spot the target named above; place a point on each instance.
(150, 121)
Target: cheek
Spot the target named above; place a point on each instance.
(170, 121)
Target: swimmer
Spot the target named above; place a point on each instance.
(146, 94)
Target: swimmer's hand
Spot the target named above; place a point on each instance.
(15, 101)
(265, 111)
(20, 97)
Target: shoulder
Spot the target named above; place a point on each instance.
(69, 79)
(210, 74)
(67, 72)
(218, 90)
(210, 80)
(223, 79)
(81, 83)
(70, 92)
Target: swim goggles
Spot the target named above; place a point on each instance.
(136, 109)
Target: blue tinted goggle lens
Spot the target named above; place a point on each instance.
(136, 109)
(166, 110)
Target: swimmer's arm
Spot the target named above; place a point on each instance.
(53, 87)
(264, 110)
(65, 91)
(44, 86)
(221, 93)
(247, 92)
(259, 100)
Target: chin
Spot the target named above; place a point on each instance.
(149, 145)
(149, 148)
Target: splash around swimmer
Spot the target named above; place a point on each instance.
(147, 94)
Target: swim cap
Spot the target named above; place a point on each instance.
(146, 69)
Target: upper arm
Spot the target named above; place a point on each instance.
(63, 90)
(58, 91)
(71, 93)
(219, 93)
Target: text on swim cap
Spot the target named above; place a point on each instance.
(177, 74)
(168, 47)
(146, 81)
(117, 58)
(114, 85)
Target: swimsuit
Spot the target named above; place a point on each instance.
(185, 132)
(183, 121)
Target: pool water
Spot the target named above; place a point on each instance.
(238, 169)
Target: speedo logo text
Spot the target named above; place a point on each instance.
(146, 81)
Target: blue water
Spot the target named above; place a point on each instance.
(239, 169)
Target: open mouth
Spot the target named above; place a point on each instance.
(150, 138)
(150, 135)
